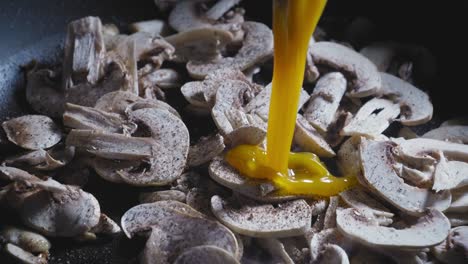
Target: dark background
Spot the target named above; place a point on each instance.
(26, 27)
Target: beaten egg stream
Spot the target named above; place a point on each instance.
(294, 21)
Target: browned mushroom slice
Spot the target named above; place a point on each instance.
(227, 176)
(176, 230)
(257, 46)
(456, 134)
(201, 44)
(263, 220)
(416, 108)
(373, 118)
(82, 117)
(324, 101)
(32, 131)
(205, 254)
(310, 140)
(455, 249)
(163, 78)
(43, 92)
(377, 159)
(110, 145)
(200, 200)
(366, 78)
(205, 150)
(429, 230)
(168, 195)
(84, 51)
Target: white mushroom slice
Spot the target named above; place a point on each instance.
(450, 174)
(276, 249)
(459, 200)
(68, 213)
(257, 46)
(367, 79)
(333, 254)
(227, 176)
(260, 104)
(167, 195)
(459, 121)
(329, 220)
(420, 177)
(377, 159)
(257, 220)
(24, 256)
(205, 254)
(27, 240)
(455, 249)
(348, 157)
(42, 159)
(429, 230)
(201, 44)
(381, 54)
(82, 117)
(416, 108)
(17, 175)
(193, 93)
(199, 199)
(326, 237)
(163, 78)
(205, 150)
(106, 226)
(84, 50)
(32, 131)
(373, 118)
(43, 92)
(154, 27)
(363, 202)
(111, 145)
(310, 140)
(221, 7)
(424, 147)
(324, 100)
(455, 134)
(176, 230)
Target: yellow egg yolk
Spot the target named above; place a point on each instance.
(293, 173)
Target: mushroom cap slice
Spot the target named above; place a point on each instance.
(257, 46)
(450, 174)
(67, 214)
(330, 236)
(205, 254)
(178, 230)
(41, 159)
(429, 230)
(310, 140)
(27, 240)
(423, 147)
(377, 159)
(454, 250)
(381, 54)
(263, 220)
(205, 150)
(334, 254)
(367, 80)
(193, 93)
(324, 100)
(455, 134)
(227, 176)
(166, 195)
(32, 131)
(201, 44)
(24, 256)
(163, 78)
(373, 118)
(416, 107)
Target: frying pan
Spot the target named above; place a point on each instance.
(34, 29)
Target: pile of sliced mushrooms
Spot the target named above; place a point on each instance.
(106, 110)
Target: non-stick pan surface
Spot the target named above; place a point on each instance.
(34, 29)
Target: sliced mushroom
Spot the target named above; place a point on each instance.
(24, 256)
(373, 118)
(167, 195)
(310, 140)
(455, 249)
(199, 199)
(330, 236)
(348, 157)
(162, 78)
(84, 51)
(27, 240)
(363, 202)
(381, 54)
(429, 230)
(416, 108)
(18, 175)
(324, 100)
(227, 176)
(424, 147)
(257, 46)
(43, 92)
(366, 78)
(154, 27)
(205, 254)
(450, 174)
(43, 160)
(201, 44)
(205, 150)
(176, 230)
(257, 220)
(88, 118)
(334, 254)
(456, 134)
(377, 159)
(32, 131)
